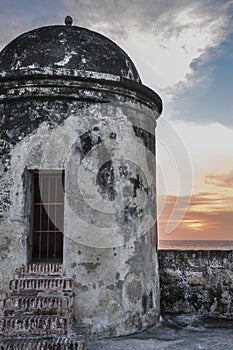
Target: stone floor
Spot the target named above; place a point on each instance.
(176, 333)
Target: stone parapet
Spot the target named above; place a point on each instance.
(197, 282)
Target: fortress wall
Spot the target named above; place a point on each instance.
(197, 282)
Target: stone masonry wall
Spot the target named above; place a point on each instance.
(102, 137)
(197, 282)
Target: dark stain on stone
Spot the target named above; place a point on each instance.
(84, 288)
(123, 171)
(150, 300)
(113, 135)
(137, 184)
(144, 304)
(4, 244)
(147, 138)
(111, 287)
(87, 140)
(132, 212)
(105, 181)
(90, 266)
(119, 284)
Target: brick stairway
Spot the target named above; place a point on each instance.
(38, 311)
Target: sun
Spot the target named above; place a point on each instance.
(195, 225)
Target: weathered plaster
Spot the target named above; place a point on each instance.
(109, 203)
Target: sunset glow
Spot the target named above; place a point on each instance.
(194, 224)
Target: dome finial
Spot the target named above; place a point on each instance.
(68, 21)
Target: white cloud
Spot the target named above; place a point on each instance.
(164, 60)
(162, 37)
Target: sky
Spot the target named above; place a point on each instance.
(184, 51)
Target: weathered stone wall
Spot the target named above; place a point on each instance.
(197, 282)
(102, 137)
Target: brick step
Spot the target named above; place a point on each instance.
(39, 305)
(34, 325)
(41, 269)
(41, 284)
(77, 342)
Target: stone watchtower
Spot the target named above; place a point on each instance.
(78, 173)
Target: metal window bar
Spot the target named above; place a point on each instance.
(48, 216)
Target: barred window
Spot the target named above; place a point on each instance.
(48, 216)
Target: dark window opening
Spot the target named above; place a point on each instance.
(48, 216)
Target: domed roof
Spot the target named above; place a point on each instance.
(66, 50)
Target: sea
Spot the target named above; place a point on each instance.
(195, 245)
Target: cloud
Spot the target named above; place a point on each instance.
(163, 38)
(171, 44)
(208, 217)
(210, 98)
(200, 202)
(222, 180)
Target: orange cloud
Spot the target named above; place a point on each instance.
(223, 180)
(207, 218)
